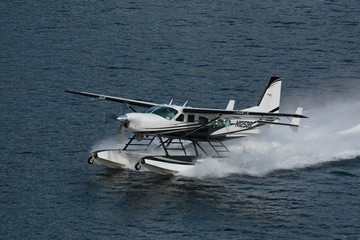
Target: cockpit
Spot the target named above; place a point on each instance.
(163, 111)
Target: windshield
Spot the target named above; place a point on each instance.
(150, 110)
(165, 112)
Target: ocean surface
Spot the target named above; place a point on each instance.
(277, 185)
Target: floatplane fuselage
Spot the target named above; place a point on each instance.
(170, 122)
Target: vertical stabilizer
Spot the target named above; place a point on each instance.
(296, 121)
(230, 105)
(270, 100)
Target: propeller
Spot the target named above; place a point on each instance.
(124, 122)
(110, 117)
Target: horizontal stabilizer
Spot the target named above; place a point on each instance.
(294, 124)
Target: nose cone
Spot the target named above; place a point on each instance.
(123, 119)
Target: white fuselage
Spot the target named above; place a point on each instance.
(170, 120)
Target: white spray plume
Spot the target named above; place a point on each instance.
(334, 134)
(111, 142)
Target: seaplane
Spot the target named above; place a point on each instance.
(168, 138)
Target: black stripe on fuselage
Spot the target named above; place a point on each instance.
(242, 130)
(178, 127)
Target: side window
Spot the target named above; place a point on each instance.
(203, 120)
(180, 118)
(191, 118)
(227, 123)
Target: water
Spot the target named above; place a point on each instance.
(277, 185)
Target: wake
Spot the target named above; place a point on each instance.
(334, 135)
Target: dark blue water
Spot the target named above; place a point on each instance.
(276, 186)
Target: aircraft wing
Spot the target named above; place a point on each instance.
(238, 114)
(234, 114)
(115, 99)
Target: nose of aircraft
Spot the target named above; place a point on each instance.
(124, 120)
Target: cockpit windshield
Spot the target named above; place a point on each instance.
(150, 110)
(165, 112)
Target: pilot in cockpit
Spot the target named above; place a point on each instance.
(170, 114)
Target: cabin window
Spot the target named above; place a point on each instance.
(180, 118)
(203, 120)
(165, 112)
(191, 118)
(220, 123)
(227, 123)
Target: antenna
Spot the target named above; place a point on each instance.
(185, 103)
(171, 101)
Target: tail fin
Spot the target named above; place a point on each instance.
(270, 100)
